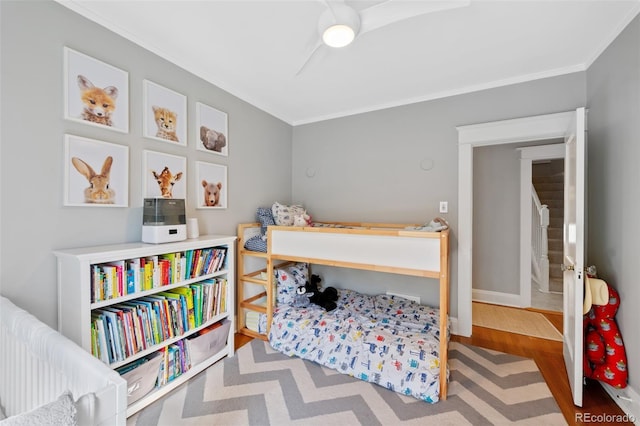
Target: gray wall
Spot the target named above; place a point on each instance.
(496, 219)
(367, 167)
(613, 90)
(34, 220)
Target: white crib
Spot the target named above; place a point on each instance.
(38, 364)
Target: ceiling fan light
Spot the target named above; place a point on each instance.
(338, 35)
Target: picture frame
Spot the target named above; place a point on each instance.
(212, 130)
(96, 173)
(95, 93)
(165, 114)
(164, 175)
(211, 186)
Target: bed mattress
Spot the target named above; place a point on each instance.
(386, 340)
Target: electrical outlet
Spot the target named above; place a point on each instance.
(444, 207)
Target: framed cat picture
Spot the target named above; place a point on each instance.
(165, 114)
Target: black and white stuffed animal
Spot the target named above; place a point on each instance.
(325, 299)
(301, 298)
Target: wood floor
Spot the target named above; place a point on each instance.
(548, 356)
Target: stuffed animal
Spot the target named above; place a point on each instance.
(605, 358)
(301, 298)
(301, 220)
(325, 299)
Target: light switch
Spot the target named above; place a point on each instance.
(444, 207)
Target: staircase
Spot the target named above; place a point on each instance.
(548, 180)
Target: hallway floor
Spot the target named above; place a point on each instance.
(545, 301)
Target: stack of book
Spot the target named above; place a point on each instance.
(124, 329)
(116, 279)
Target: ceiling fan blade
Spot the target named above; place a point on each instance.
(391, 11)
(310, 56)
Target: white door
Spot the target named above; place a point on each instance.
(574, 247)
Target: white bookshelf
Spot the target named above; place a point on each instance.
(77, 301)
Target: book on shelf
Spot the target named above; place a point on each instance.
(122, 336)
(175, 362)
(196, 290)
(112, 332)
(176, 310)
(160, 310)
(119, 281)
(139, 324)
(187, 293)
(100, 348)
(133, 275)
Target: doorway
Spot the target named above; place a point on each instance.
(544, 127)
(542, 185)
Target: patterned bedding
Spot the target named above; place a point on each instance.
(382, 339)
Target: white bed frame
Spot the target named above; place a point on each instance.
(370, 246)
(38, 364)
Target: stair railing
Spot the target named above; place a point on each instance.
(539, 242)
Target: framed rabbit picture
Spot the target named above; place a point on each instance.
(96, 173)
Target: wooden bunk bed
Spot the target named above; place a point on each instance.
(369, 246)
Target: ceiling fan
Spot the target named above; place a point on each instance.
(340, 24)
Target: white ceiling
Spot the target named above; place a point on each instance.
(254, 49)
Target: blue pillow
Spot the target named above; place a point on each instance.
(265, 217)
(256, 243)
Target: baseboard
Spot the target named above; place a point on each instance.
(505, 299)
(627, 399)
(453, 325)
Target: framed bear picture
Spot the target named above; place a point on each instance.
(95, 92)
(212, 130)
(165, 114)
(211, 186)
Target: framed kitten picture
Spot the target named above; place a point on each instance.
(95, 92)
(96, 173)
(212, 130)
(211, 186)
(165, 114)
(164, 175)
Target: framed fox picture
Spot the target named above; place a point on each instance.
(95, 92)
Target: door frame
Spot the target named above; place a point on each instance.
(540, 127)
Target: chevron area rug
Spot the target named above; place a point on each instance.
(259, 386)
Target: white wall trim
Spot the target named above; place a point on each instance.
(540, 127)
(628, 399)
(495, 297)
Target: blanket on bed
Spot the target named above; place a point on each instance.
(382, 339)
